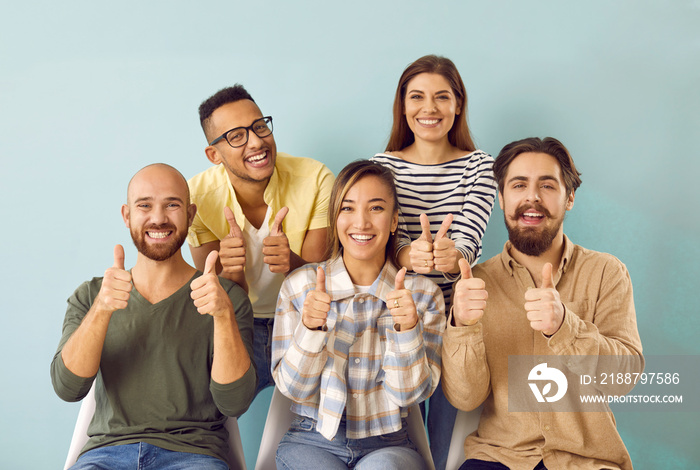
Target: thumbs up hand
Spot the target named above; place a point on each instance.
(445, 255)
(116, 285)
(401, 305)
(544, 308)
(276, 251)
(208, 295)
(470, 296)
(317, 303)
(232, 248)
(421, 254)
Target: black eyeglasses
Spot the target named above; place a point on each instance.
(238, 136)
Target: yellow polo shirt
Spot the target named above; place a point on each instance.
(302, 184)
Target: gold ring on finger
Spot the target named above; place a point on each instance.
(396, 303)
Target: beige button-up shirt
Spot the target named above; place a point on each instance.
(599, 319)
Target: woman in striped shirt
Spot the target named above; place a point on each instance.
(356, 343)
(446, 192)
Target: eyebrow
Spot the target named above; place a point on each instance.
(376, 199)
(437, 92)
(149, 198)
(541, 178)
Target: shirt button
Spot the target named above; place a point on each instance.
(546, 427)
(361, 301)
(355, 395)
(477, 329)
(357, 361)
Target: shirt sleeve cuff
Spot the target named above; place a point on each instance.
(312, 341)
(562, 341)
(463, 334)
(405, 341)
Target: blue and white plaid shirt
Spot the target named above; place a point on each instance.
(361, 368)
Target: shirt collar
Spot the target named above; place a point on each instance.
(341, 286)
(509, 262)
(270, 196)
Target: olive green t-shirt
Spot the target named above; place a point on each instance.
(154, 383)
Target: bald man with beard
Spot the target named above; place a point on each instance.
(167, 347)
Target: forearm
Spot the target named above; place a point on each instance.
(403, 258)
(231, 360)
(83, 350)
(295, 261)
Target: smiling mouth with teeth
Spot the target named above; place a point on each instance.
(362, 238)
(429, 122)
(157, 235)
(257, 158)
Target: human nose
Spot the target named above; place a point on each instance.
(430, 105)
(253, 140)
(361, 220)
(533, 195)
(158, 216)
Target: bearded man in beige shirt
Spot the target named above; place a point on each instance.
(541, 296)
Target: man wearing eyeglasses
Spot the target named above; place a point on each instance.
(265, 212)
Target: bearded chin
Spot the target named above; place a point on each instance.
(531, 241)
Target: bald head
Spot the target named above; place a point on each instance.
(158, 177)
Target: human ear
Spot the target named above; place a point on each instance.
(212, 154)
(125, 215)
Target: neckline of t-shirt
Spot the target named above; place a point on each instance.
(250, 229)
(463, 157)
(140, 298)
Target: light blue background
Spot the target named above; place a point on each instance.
(92, 91)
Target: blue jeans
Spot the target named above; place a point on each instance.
(441, 421)
(262, 352)
(144, 457)
(303, 447)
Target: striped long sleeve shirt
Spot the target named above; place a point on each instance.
(464, 187)
(361, 368)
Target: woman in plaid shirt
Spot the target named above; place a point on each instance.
(356, 342)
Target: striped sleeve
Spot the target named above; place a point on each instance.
(464, 187)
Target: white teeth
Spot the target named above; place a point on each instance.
(158, 234)
(362, 238)
(533, 214)
(429, 122)
(257, 158)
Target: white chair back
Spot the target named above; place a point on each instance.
(466, 423)
(279, 418)
(87, 411)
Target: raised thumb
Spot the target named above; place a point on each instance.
(547, 276)
(210, 263)
(400, 277)
(320, 279)
(444, 227)
(234, 230)
(465, 269)
(118, 257)
(276, 229)
(425, 226)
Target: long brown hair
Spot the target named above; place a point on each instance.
(459, 136)
(347, 177)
